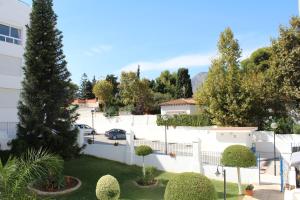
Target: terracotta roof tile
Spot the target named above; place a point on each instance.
(182, 101)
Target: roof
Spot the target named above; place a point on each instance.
(234, 129)
(84, 101)
(182, 101)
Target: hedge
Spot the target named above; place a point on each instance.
(107, 188)
(143, 150)
(188, 186)
(185, 120)
(238, 156)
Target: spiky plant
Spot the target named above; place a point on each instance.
(18, 173)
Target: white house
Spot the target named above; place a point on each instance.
(179, 106)
(14, 16)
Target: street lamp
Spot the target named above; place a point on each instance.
(165, 119)
(217, 173)
(274, 126)
(93, 112)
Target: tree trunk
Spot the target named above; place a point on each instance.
(239, 181)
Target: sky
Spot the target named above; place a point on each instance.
(109, 36)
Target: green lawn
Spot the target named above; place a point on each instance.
(89, 169)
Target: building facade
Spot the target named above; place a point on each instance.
(14, 16)
(179, 107)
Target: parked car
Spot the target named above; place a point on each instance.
(86, 129)
(116, 134)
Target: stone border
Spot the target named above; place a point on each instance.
(145, 186)
(67, 191)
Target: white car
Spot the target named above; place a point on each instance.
(86, 129)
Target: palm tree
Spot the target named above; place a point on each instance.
(17, 173)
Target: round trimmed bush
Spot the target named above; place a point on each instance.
(108, 188)
(143, 150)
(187, 186)
(238, 156)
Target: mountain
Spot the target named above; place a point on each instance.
(198, 80)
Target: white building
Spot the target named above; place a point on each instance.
(179, 106)
(14, 15)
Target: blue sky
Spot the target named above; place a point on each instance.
(103, 37)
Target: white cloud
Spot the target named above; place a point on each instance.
(189, 60)
(98, 50)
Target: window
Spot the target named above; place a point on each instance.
(10, 34)
(4, 30)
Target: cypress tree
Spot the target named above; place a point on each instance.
(45, 113)
(184, 84)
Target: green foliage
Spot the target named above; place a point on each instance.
(198, 120)
(103, 90)
(16, 174)
(187, 186)
(249, 187)
(45, 112)
(285, 71)
(183, 84)
(296, 129)
(135, 92)
(149, 178)
(111, 110)
(143, 150)
(238, 156)
(166, 84)
(259, 61)
(108, 188)
(86, 88)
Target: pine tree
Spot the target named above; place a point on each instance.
(183, 84)
(138, 72)
(86, 87)
(45, 113)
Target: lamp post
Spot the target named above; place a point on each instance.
(165, 119)
(274, 127)
(224, 179)
(93, 112)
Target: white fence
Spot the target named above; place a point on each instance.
(175, 163)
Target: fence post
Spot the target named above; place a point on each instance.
(197, 156)
(281, 174)
(130, 148)
(258, 161)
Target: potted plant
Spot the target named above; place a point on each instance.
(116, 143)
(90, 141)
(249, 190)
(173, 155)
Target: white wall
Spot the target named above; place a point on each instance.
(13, 13)
(145, 127)
(178, 109)
(178, 164)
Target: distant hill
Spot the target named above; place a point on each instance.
(198, 80)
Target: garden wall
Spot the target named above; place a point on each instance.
(126, 154)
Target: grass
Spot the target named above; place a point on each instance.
(89, 169)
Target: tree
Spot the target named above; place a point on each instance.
(285, 66)
(183, 84)
(114, 81)
(86, 88)
(138, 72)
(135, 92)
(238, 156)
(103, 90)
(17, 174)
(222, 95)
(143, 151)
(166, 83)
(45, 113)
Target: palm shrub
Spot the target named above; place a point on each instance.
(143, 151)
(238, 156)
(187, 186)
(108, 188)
(18, 173)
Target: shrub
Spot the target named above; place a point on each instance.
(107, 188)
(149, 178)
(187, 186)
(238, 156)
(296, 129)
(143, 150)
(185, 120)
(249, 187)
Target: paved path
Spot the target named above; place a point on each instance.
(266, 192)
